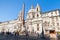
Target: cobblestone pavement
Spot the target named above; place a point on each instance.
(17, 37)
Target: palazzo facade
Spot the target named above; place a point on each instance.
(35, 21)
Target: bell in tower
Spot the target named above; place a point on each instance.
(38, 8)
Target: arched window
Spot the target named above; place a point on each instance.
(32, 29)
(37, 15)
(37, 27)
(33, 16)
(37, 9)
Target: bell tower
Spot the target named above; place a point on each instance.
(38, 11)
(38, 8)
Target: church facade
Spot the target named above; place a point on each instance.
(35, 21)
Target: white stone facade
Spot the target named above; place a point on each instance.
(35, 20)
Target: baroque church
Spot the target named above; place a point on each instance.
(35, 21)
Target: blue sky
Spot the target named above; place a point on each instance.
(9, 9)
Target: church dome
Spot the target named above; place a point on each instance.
(32, 9)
